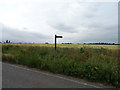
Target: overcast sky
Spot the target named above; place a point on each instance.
(78, 21)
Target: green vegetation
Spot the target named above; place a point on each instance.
(98, 64)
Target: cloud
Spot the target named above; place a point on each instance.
(77, 21)
(99, 33)
(0, 32)
(20, 35)
(64, 28)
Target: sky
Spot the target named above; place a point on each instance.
(78, 21)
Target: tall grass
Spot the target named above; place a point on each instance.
(95, 64)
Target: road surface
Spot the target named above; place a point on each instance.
(21, 77)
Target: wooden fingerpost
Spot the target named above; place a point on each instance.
(56, 40)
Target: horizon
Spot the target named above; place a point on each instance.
(9, 41)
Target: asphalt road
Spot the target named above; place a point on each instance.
(21, 77)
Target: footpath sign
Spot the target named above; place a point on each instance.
(56, 40)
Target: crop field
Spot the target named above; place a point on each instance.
(114, 47)
(98, 63)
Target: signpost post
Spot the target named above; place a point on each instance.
(56, 40)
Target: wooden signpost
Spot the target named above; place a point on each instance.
(56, 39)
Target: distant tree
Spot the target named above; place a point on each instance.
(46, 43)
(7, 41)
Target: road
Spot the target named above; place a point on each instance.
(21, 77)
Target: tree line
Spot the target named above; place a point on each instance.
(100, 43)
